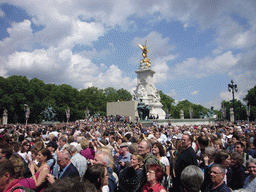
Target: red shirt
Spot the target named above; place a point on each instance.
(156, 188)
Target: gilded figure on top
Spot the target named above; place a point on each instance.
(144, 49)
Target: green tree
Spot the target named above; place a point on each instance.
(240, 109)
(123, 95)
(250, 98)
(167, 102)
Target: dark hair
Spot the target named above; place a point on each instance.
(238, 158)
(160, 147)
(158, 171)
(203, 140)
(7, 166)
(46, 152)
(7, 151)
(34, 151)
(221, 156)
(95, 174)
(69, 184)
(25, 143)
(240, 143)
(16, 146)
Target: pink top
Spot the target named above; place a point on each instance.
(28, 182)
(42, 185)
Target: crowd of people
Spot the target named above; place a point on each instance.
(119, 156)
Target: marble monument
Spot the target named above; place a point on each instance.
(145, 88)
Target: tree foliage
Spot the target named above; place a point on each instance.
(240, 109)
(250, 98)
(16, 91)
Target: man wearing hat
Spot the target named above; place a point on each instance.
(124, 158)
(52, 163)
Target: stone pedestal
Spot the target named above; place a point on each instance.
(181, 114)
(232, 116)
(146, 91)
(5, 117)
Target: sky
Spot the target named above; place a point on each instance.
(196, 47)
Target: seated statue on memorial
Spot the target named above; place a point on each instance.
(210, 113)
(143, 110)
(49, 114)
(202, 115)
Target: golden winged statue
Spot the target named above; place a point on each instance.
(144, 49)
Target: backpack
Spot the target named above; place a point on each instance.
(22, 188)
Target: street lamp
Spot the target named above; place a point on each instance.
(233, 87)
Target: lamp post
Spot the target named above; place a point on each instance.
(233, 87)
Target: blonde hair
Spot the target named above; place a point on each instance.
(139, 157)
(84, 143)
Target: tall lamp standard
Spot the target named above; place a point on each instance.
(233, 87)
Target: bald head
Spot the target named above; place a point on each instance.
(63, 159)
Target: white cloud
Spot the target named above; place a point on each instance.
(194, 92)
(207, 66)
(172, 93)
(20, 38)
(83, 34)
(2, 14)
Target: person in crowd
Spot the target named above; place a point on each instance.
(203, 142)
(186, 158)
(104, 158)
(124, 158)
(250, 181)
(39, 173)
(88, 152)
(98, 175)
(129, 180)
(238, 175)
(78, 160)
(67, 169)
(69, 184)
(62, 144)
(223, 158)
(217, 176)
(52, 163)
(136, 161)
(7, 177)
(39, 145)
(154, 177)
(208, 161)
(159, 152)
(239, 148)
(19, 168)
(144, 150)
(25, 152)
(34, 153)
(5, 153)
(248, 146)
(229, 146)
(218, 145)
(192, 178)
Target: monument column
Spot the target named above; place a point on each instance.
(232, 115)
(145, 89)
(5, 117)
